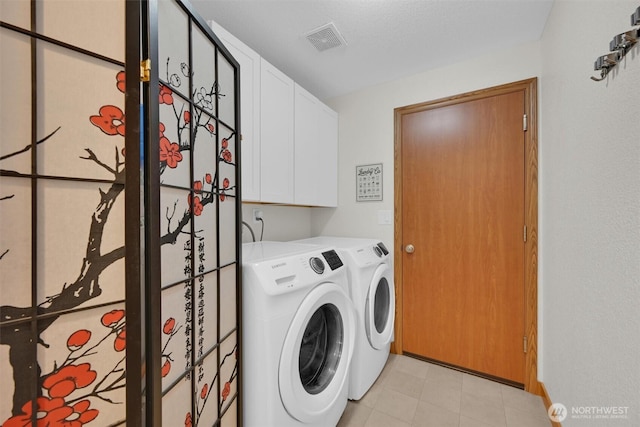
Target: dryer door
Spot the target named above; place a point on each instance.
(380, 308)
(316, 354)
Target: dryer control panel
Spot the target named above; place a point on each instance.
(369, 255)
(383, 248)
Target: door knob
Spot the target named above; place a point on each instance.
(409, 249)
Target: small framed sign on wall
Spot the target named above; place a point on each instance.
(369, 183)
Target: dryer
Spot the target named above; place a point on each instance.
(298, 335)
(372, 291)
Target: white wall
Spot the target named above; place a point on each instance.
(366, 130)
(590, 212)
(281, 223)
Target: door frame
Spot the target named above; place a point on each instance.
(530, 88)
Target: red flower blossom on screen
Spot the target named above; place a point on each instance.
(187, 420)
(110, 120)
(225, 183)
(120, 81)
(69, 378)
(77, 339)
(195, 204)
(162, 129)
(166, 367)
(225, 143)
(170, 153)
(112, 318)
(120, 343)
(222, 197)
(165, 95)
(208, 178)
(50, 412)
(226, 390)
(187, 117)
(204, 391)
(169, 325)
(226, 156)
(197, 186)
(211, 128)
(80, 415)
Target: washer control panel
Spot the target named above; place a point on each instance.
(316, 264)
(333, 259)
(277, 268)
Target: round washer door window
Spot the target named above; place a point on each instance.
(321, 348)
(317, 351)
(380, 308)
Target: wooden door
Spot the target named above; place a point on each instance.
(463, 211)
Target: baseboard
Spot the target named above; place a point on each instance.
(547, 401)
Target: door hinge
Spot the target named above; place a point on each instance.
(145, 70)
(524, 236)
(524, 122)
(524, 342)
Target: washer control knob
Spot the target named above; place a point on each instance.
(316, 265)
(378, 251)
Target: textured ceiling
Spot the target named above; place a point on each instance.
(386, 39)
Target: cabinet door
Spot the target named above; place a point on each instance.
(276, 135)
(306, 141)
(316, 151)
(327, 157)
(249, 62)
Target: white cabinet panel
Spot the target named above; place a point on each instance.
(306, 145)
(289, 138)
(276, 135)
(249, 62)
(316, 143)
(327, 192)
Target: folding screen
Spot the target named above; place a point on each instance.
(62, 186)
(198, 221)
(81, 336)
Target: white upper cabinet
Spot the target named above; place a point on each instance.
(289, 145)
(316, 151)
(276, 135)
(249, 111)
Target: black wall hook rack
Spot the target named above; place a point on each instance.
(619, 46)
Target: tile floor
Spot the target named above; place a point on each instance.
(410, 392)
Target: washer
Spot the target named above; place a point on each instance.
(372, 291)
(298, 335)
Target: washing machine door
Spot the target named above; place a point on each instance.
(380, 308)
(316, 354)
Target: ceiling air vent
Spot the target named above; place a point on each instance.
(326, 37)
